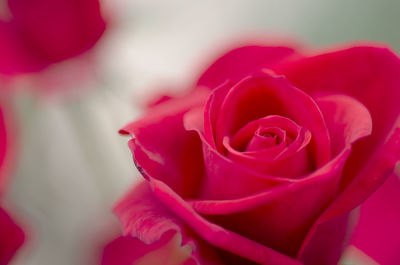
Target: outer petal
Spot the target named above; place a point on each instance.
(239, 62)
(149, 226)
(11, 237)
(346, 118)
(215, 235)
(378, 232)
(126, 250)
(164, 149)
(347, 121)
(372, 76)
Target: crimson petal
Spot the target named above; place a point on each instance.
(239, 62)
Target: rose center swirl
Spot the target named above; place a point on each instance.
(270, 143)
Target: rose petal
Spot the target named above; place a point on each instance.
(372, 76)
(148, 221)
(211, 113)
(143, 217)
(346, 118)
(11, 237)
(239, 62)
(327, 245)
(163, 148)
(126, 250)
(215, 235)
(378, 231)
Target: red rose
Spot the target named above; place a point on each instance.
(265, 159)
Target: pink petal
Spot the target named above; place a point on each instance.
(327, 245)
(143, 217)
(148, 225)
(126, 250)
(211, 113)
(378, 232)
(347, 121)
(216, 235)
(164, 149)
(239, 62)
(11, 237)
(346, 118)
(372, 76)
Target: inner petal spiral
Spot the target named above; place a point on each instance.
(266, 137)
(273, 145)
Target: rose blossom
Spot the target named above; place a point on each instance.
(264, 159)
(11, 235)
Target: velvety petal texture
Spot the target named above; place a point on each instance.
(266, 165)
(164, 149)
(126, 250)
(378, 233)
(237, 63)
(41, 32)
(150, 227)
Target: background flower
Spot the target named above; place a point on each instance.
(38, 33)
(11, 235)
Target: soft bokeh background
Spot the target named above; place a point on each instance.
(73, 165)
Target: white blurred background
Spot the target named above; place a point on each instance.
(73, 165)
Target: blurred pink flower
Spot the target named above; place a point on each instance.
(11, 235)
(42, 32)
(8, 142)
